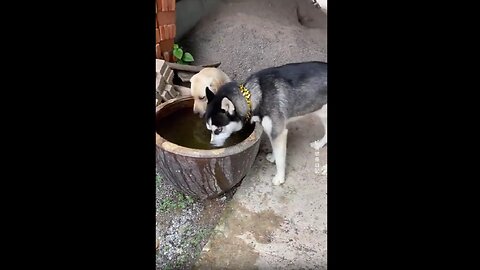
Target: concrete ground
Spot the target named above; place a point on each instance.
(265, 226)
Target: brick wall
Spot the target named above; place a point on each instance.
(165, 29)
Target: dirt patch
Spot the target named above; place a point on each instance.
(261, 225)
(236, 250)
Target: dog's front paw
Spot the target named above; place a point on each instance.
(323, 170)
(323, 143)
(278, 180)
(270, 157)
(318, 144)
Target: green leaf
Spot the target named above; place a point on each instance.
(178, 53)
(175, 46)
(187, 57)
(179, 61)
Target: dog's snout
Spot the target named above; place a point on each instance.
(199, 112)
(196, 108)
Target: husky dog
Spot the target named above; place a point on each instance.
(273, 97)
(211, 78)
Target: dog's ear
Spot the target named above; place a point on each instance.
(210, 94)
(214, 84)
(227, 105)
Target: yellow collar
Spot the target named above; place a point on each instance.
(246, 95)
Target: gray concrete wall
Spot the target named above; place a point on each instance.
(189, 13)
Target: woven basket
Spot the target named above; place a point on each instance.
(165, 29)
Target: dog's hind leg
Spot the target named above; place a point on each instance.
(322, 114)
(279, 147)
(267, 127)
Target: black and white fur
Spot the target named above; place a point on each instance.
(278, 95)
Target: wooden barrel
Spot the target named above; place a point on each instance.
(204, 173)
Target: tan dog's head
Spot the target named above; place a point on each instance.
(199, 84)
(211, 78)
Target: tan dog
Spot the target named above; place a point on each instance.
(212, 78)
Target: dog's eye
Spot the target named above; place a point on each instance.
(217, 131)
(202, 98)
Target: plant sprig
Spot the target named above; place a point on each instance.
(182, 57)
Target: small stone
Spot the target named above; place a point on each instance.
(172, 91)
(161, 66)
(169, 76)
(166, 96)
(160, 83)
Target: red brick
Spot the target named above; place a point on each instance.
(158, 51)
